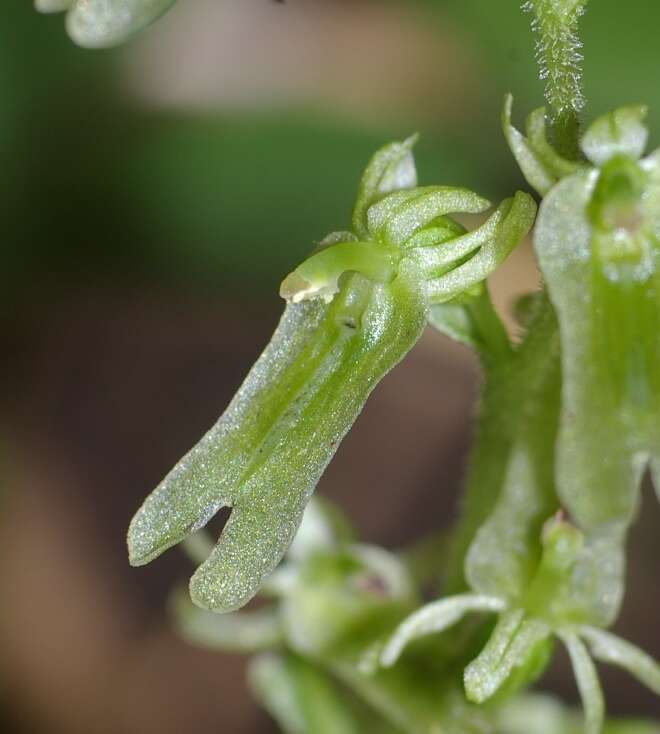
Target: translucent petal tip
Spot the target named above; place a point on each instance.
(295, 289)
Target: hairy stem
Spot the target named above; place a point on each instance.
(558, 53)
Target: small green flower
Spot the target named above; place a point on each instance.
(598, 244)
(355, 309)
(519, 646)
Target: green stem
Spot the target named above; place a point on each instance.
(489, 326)
(513, 385)
(558, 52)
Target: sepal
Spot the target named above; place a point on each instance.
(621, 132)
(434, 618)
(610, 649)
(588, 683)
(397, 217)
(490, 245)
(540, 164)
(392, 168)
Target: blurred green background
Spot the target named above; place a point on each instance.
(107, 178)
(153, 198)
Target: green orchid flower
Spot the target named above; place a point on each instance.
(597, 241)
(356, 308)
(520, 644)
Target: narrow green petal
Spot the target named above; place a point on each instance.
(392, 168)
(609, 648)
(436, 617)
(379, 214)
(534, 169)
(442, 230)
(432, 202)
(587, 682)
(441, 256)
(516, 223)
